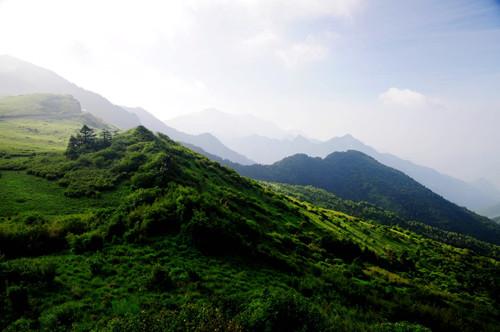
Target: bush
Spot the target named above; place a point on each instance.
(60, 318)
(282, 311)
(213, 236)
(400, 327)
(92, 241)
(29, 271)
(17, 240)
(190, 317)
(21, 324)
(18, 297)
(160, 279)
(87, 182)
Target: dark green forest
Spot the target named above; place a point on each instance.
(142, 234)
(355, 176)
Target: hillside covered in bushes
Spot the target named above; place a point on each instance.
(142, 234)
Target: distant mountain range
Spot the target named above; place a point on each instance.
(18, 77)
(492, 211)
(356, 176)
(207, 142)
(228, 126)
(268, 149)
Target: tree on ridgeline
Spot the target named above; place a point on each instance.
(86, 141)
(73, 147)
(105, 138)
(88, 136)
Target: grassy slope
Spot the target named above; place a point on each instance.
(40, 122)
(24, 194)
(325, 199)
(195, 245)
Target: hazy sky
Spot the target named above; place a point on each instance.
(420, 79)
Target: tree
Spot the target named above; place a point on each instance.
(88, 137)
(106, 138)
(73, 148)
(86, 141)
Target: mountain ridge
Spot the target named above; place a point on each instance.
(207, 142)
(18, 77)
(356, 176)
(267, 150)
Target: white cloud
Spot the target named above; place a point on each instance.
(403, 98)
(303, 9)
(301, 53)
(166, 55)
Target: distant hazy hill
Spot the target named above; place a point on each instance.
(492, 211)
(206, 142)
(20, 77)
(256, 139)
(356, 176)
(266, 150)
(41, 122)
(227, 126)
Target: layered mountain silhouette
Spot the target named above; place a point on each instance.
(206, 142)
(266, 148)
(491, 211)
(18, 77)
(356, 176)
(227, 126)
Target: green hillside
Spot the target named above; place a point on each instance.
(367, 211)
(40, 122)
(355, 176)
(146, 235)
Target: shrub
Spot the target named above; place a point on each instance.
(61, 317)
(212, 236)
(29, 240)
(282, 311)
(160, 279)
(91, 241)
(130, 163)
(29, 271)
(22, 324)
(18, 297)
(400, 327)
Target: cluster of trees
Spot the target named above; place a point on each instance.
(86, 140)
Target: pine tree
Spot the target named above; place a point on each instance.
(73, 147)
(106, 138)
(88, 137)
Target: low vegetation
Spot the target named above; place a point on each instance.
(150, 236)
(40, 123)
(367, 211)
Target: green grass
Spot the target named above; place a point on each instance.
(185, 244)
(40, 123)
(25, 136)
(39, 105)
(23, 194)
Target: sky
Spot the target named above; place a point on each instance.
(419, 79)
